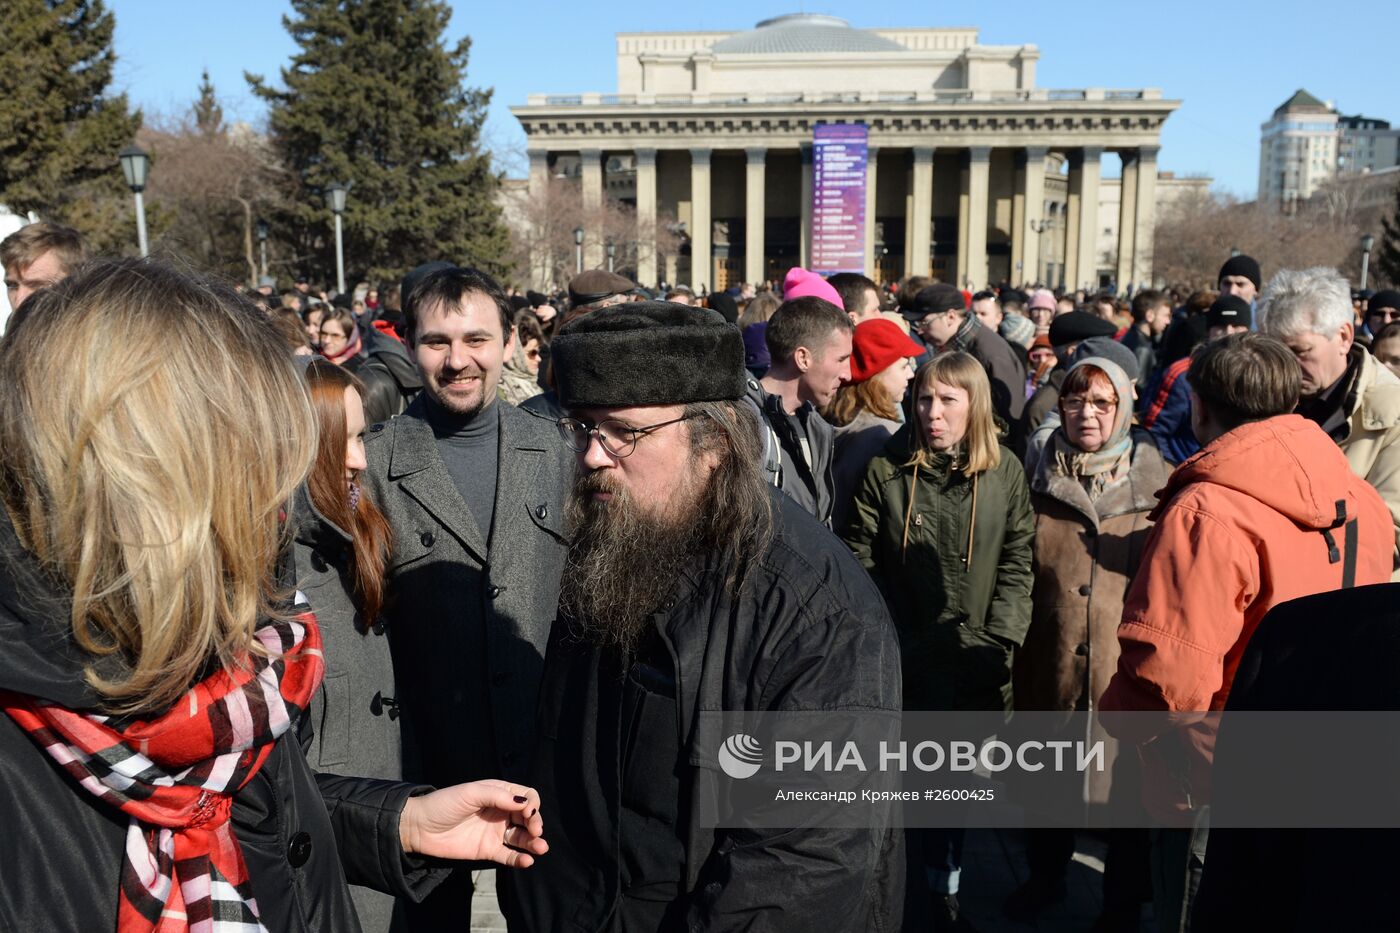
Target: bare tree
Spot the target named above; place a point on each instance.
(210, 186)
(542, 232)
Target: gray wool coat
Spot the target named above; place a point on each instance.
(354, 715)
(468, 623)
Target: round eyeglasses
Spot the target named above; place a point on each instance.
(617, 437)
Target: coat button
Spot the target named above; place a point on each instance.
(542, 512)
(299, 849)
(499, 678)
(1082, 649)
(427, 539)
(496, 591)
(1085, 590)
(377, 627)
(376, 428)
(318, 563)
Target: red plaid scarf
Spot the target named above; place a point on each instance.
(176, 775)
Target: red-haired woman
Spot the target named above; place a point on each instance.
(342, 542)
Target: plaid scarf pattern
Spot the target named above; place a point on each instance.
(175, 777)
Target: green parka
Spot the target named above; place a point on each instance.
(959, 614)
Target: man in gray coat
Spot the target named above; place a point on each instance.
(474, 492)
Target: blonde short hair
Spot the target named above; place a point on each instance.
(152, 428)
(962, 371)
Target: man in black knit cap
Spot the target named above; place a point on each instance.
(691, 587)
(1240, 276)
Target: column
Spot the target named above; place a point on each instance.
(1088, 218)
(872, 156)
(1033, 182)
(804, 230)
(978, 190)
(1145, 216)
(591, 177)
(754, 253)
(917, 258)
(541, 276)
(1019, 274)
(702, 269)
(1127, 221)
(646, 216)
(964, 207)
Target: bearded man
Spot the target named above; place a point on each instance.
(690, 587)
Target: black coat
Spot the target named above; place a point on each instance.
(1333, 651)
(302, 834)
(809, 632)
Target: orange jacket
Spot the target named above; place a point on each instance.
(1239, 529)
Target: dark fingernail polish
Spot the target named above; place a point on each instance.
(519, 799)
(531, 813)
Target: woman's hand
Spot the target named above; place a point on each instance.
(484, 820)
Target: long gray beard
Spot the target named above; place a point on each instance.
(623, 562)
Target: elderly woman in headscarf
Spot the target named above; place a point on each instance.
(1092, 490)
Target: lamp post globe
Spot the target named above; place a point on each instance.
(1367, 241)
(136, 165)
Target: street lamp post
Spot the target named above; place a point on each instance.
(612, 251)
(261, 228)
(1367, 242)
(335, 199)
(1234, 251)
(135, 165)
(1040, 226)
(578, 250)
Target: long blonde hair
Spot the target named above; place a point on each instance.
(152, 427)
(981, 450)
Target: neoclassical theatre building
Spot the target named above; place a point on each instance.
(951, 161)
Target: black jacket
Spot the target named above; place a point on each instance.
(1334, 651)
(809, 632)
(302, 834)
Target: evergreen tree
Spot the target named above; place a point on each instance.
(208, 115)
(60, 128)
(1388, 252)
(375, 99)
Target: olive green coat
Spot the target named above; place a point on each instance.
(959, 615)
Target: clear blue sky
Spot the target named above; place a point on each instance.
(1230, 63)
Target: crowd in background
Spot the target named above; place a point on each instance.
(1041, 500)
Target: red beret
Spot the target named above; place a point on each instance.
(878, 343)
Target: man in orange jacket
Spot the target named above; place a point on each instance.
(1268, 511)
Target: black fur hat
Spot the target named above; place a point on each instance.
(648, 353)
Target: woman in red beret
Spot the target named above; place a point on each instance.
(866, 411)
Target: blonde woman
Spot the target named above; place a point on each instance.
(155, 674)
(943, 522)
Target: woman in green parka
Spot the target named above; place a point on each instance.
(943, 522)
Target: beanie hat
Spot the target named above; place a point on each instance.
(1018, 330)
(1385, 298)
(756, 355)
(1246, 266)
(724, 303)
(1109, 349)
(1041, 340)
(648, 353)
(799, 282)
(1042, 299)
(876, 345)
(1230, 310)
(1079, 325)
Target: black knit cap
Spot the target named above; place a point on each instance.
(1231, 310)
(648, 353)
(1246, 266)
(1385, 298)
(1079, 325)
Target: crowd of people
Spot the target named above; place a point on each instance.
(312, 603)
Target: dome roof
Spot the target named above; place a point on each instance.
(804, 33)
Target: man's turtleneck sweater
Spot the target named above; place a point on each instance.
(468, 447)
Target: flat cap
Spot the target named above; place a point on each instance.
(648, 353)
(593, 285)
(934, 300)
(1079, 325)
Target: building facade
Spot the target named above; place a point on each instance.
(715, 130)
(1307, 144)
